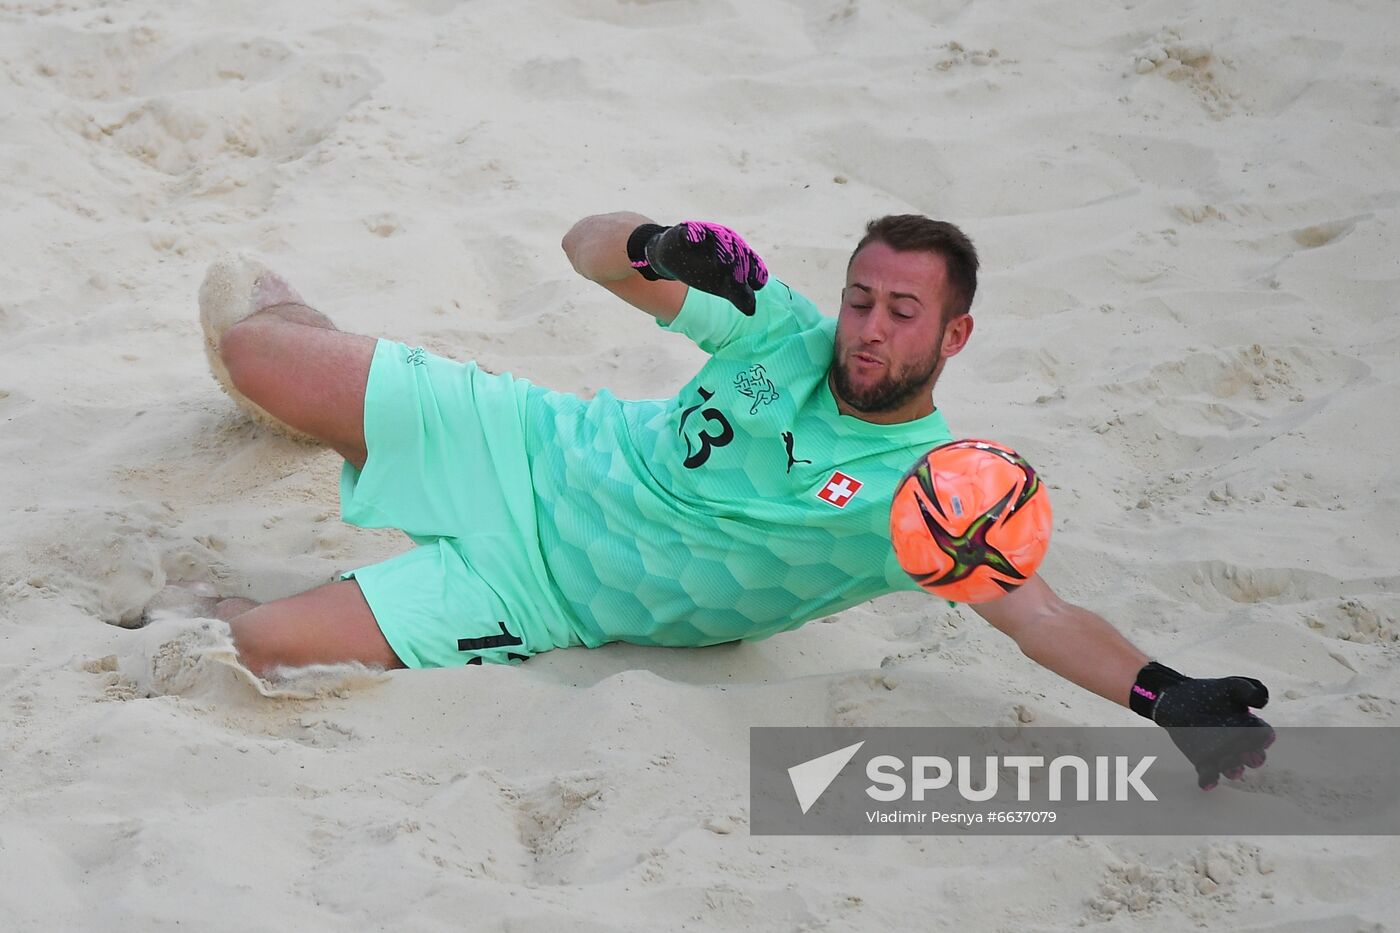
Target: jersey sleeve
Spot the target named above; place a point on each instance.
(714, 323)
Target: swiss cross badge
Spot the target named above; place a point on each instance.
(839, 490)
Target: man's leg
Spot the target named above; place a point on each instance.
(331, 624)
(288, 360)
(289, 367)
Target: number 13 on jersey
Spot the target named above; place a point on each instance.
(715, 432)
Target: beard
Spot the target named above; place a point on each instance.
(888, 394)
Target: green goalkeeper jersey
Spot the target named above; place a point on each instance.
(744, 506)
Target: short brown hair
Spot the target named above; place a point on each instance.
(915, 233)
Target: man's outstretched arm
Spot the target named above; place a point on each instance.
(597, 248)
(1085, 649)
(1077, 644)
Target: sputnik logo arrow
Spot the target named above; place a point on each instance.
(810, 779)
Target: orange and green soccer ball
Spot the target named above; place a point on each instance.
(970, 521)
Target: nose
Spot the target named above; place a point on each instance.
(874, 328)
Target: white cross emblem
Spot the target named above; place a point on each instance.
(839, 490)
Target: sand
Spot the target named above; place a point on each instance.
(1187, 218)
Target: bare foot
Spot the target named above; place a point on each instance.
(229, 609)
(270, 290)
(190, 598)
(196, 600)
(234, 288)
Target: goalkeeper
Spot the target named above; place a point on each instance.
(753, 501)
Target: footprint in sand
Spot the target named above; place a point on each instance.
(1265, 373)
(1373, 620)
(551, 823)
(1323, 234)
(1139, 887)
(1193, 64)
(913, 170)
(108, 562)
(1216, 584)
(319, 732)
(184, 108)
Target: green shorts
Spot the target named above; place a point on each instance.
(448, 466)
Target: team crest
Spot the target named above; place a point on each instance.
(839, 490)
(757, 386)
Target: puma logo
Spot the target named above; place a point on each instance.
(792, 461)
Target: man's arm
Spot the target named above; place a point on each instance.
(597, 248)
(1079, 645)
(1084, 649)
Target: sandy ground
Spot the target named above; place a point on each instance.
(1186, 213)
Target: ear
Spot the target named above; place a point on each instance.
(956, 334)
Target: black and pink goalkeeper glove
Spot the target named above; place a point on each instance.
(1209, 720)
(706, 256)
